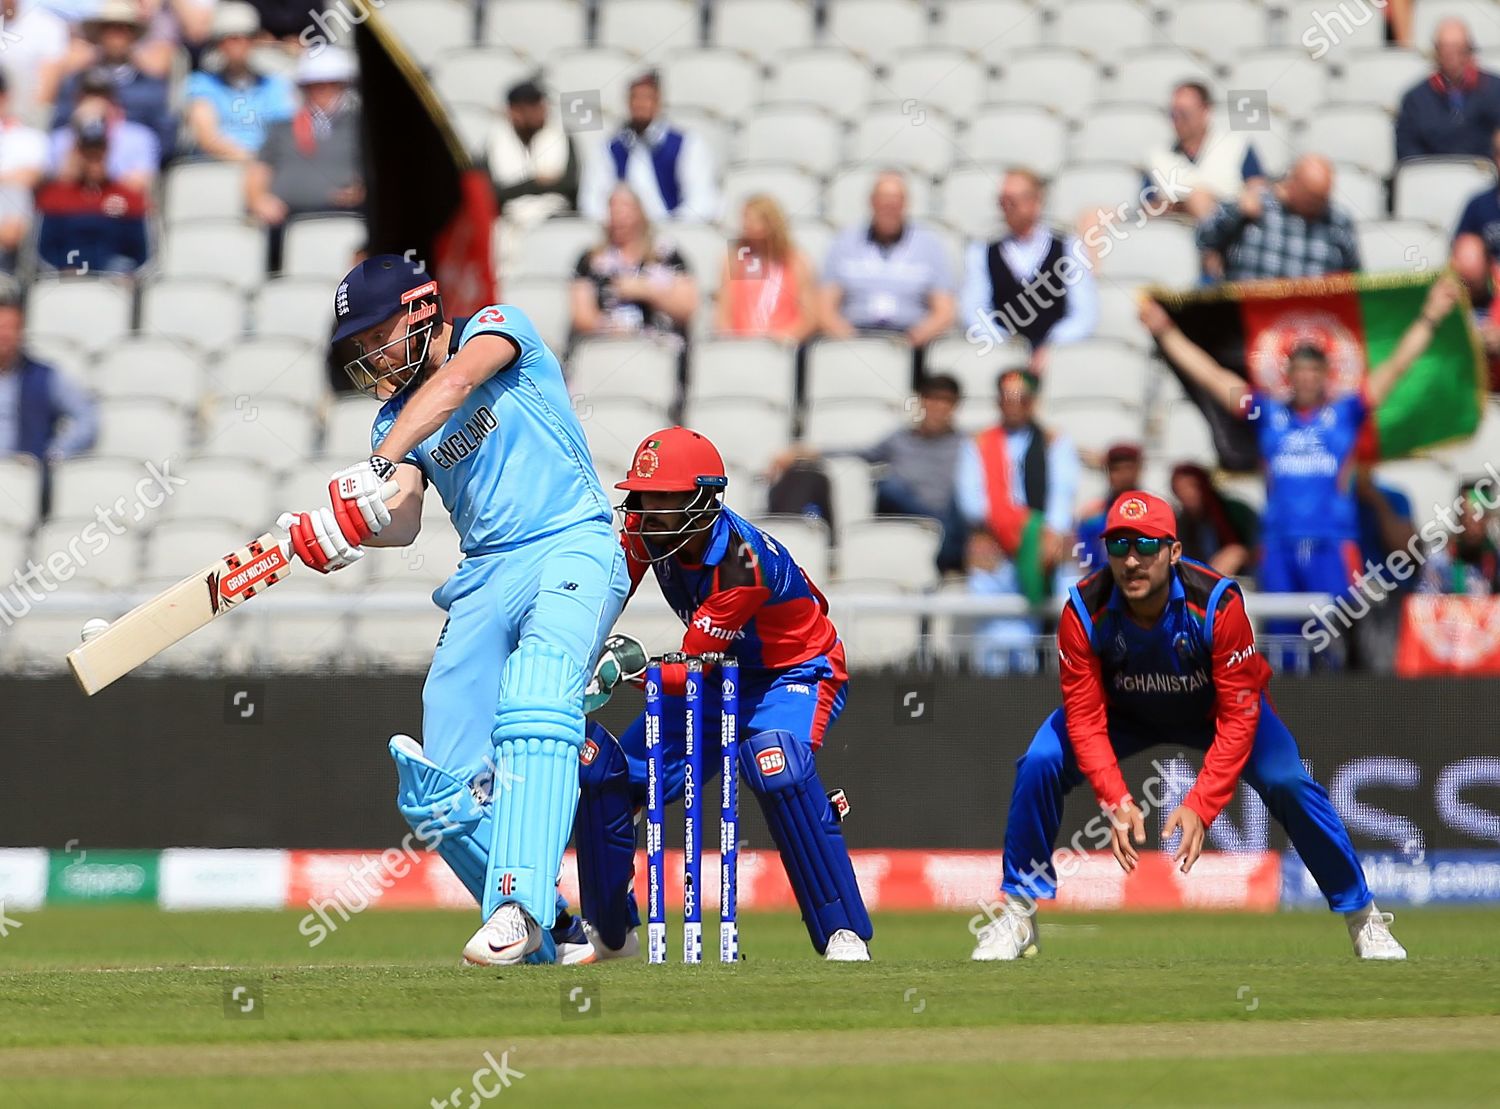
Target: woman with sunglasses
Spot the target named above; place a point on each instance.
(1157, 649)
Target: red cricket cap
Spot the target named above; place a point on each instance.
(1141, 514)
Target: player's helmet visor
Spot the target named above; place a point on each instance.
(385, 370)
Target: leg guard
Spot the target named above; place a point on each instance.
(443, 812)
(779, 769)
(538, 732)
(605, 838)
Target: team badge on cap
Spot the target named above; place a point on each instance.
(646, 462)
(1133, 509)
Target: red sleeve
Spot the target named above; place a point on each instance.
(1084, 706)
(1240, 675)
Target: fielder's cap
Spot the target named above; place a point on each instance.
(331, 65)
(1139, 513)
(375, 290)
(235, 17)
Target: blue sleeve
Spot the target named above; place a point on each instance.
(1472, 221)
(507, 320)
(1354, 408)
(969, 488)
(382, 428)
(281, 103)
(199, 86)
(1251, 166)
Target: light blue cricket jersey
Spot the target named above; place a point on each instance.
(511, 464)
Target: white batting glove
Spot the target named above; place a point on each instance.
(317, 540)
(359, 494)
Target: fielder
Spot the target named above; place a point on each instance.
(738, 592)
(1158, 649)
(477, 409)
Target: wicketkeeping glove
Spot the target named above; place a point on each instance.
(623, 659)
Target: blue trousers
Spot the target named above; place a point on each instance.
(1048, 770)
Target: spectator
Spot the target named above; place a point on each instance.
(42, 413)
(1207, 165)
(1122, 473)
(918, 461)
(887, 275)
(1309, 528)
(1015, 486)
(37, 41)
(310, 163)
(533, 162)
(1213, 528)
(90, 220)
(134, 152)
(1030, 283)
(230, 107)
(173, 26)
(671, 170)
(629, 284)
(111, 35)
(23, 161)
(767, 285)
(1456, 110)
(1476, 251)
(1287, 230)
(1468, 564)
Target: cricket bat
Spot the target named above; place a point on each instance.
(149, 629)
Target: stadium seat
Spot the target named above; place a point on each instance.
(830, 77)
(271, 369)
(1063, 81)
(545, 301)
(203, 190)
(1117, 315)
(1216, 30)
(20, 494)
(1015, 135)
(430, 28)
(721, 81)
(277, 432)
(1148, 76)
(585, 78)
(877, 30)
(221, 250)
(764, 29)
(346, 428)
(988, 29)
(1077, 24)
(967, 201)
(944, 76)
(637, 368)
(420, 567)
(976, 365)
(1095, 369)
(95, 554)
(142, 429)
(615, 426)
(478, 75)
(62, 352)
(1359, 192)
(805, 538)
(296, 307)
(60, 305)
(801, 135)
(176, 547)
(1126, 133)
(1478, 15)
(1083, 190)
(243, 491)
(856, 369)
(748, 434)
(898, 549)
(552, 248)
(535, 28)
(80, 485)
(796, 190)
(727, 367)
(1378, 78)
(717, 133)
(1094, 424)
(648, 28)
(852, 422)
(919, 140)
(1162, 252)
(813, 236)
(1401, 245)
(161, 369)
(1293, 83)
(207, 313)
(873, 639)
(473, 124)
(1427, 482)
(1439, 188)
(1330, 33)
(846, 200)
(851, 485)
(322, 246)
(13, 554)
(1353, 134)
(1186, 436)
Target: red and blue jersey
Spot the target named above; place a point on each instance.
(1309, 462)
(1194, 671)
(748, 597)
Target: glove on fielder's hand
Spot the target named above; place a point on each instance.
(623, 659)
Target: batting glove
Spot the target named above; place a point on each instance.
(317, 540)
(359, 494)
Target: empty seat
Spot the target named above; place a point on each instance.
(271, 369)
(846, 200)
(142, 429)
(1294, 84)
(203, 190)
(535, 28)
(473, 124)
(858, 369)
(552, 248)
(918, 139)
(873, 639)
(94, 310)
(94, 553)
(1162, 252)
(1125, 133)
(257, 427)
(322, 246)
(1092, 424)
(346, 428)
(760, 368)
(877, 30)
(647, 27)
(20, 494)
(1148, 76)
(589, 79)
(851, 486)
(1080, 191)
(988, 28)
(478, 75)
(1354, 134)
(222, 250)
(1062, 80)
(81, 485)
(976, 364)
(1330, 32)
(243, 491)
(1078, 23)
(899, 549)
(1216, 30)
(299, 307)
(638, 368)
(1379, 77)
(967, 201)
(795, 190)
(210, 314)
(1437, 189)
(945, 77)
(428, 28)
(146, 366)
(748, 433)
(764, 29)
(1095, 369)
(830, 77)
(1186, 436)
(852, 423)
(721, 81)
(799, 134)
(1118, 318)
(12, 556)
(1020, 135)
(546, 303)
(177, 547)
(1478, 16)
(805, 538)
(615, 426)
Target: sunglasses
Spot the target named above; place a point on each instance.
(1145, 546)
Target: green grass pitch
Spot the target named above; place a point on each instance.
(135, 1007)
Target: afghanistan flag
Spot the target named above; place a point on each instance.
(1250, 327)
(424, 193)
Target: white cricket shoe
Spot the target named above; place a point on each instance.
(594, 950)
(1010, 936)
(505, 939)
(845, 947)
(1371, 933)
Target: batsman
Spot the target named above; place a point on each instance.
(477, 409)
(738, 592)
(1156, 648)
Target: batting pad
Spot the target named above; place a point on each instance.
(779, 769)
(443, 812)
(538, 733)
(605, 838)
